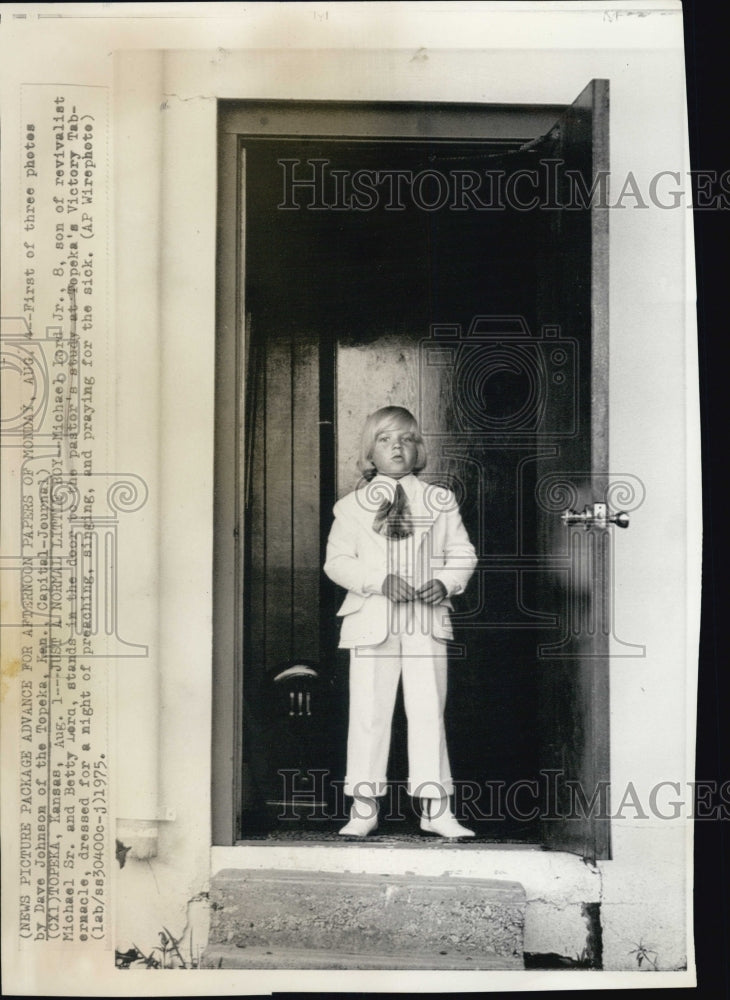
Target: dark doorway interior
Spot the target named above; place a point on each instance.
(342, 307)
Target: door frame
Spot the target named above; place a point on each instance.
(256, 118)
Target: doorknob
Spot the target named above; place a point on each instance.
(596, 515)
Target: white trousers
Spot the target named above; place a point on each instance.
(410, 652)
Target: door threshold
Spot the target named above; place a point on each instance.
(402, 842)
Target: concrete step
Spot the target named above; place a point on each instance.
(326, 920)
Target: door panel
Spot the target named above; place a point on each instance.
(282, 526)
(572, 472)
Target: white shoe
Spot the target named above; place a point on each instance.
(445, 825)
(363, 819)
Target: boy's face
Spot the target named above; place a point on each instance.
(394, 452)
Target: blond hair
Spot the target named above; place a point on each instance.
(396, 417)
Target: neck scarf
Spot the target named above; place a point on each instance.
(393, 519)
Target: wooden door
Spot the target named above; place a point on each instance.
(572, 472)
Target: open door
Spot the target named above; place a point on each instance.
(572, 475)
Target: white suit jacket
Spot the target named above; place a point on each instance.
(358, 557)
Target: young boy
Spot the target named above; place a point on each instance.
(400, 549)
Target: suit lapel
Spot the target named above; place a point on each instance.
(423, 517)
(368, 501)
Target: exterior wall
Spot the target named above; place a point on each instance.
(643, 891)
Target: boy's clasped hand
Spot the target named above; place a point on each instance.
(399, 591)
